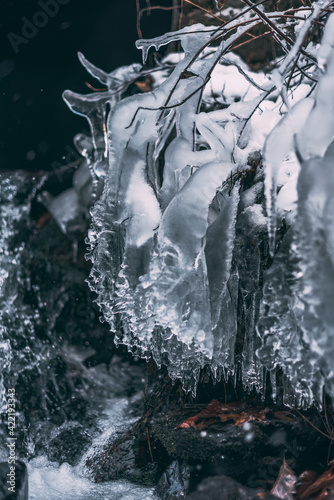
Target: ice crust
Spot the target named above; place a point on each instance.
(179, 239)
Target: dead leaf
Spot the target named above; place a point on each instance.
(224, 412)
(145, 86)
(284, 486)
(323, 483)
(305, 479)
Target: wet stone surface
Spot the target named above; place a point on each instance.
(223, 487)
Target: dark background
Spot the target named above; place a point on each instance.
(36, 127)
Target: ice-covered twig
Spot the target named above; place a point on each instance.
(280, 74)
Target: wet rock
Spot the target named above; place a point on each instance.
(69, 444)
(115, 460)
(226, 488)
(20, 481)
(201, 446)
(174, 483)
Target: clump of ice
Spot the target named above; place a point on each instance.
(178, 239)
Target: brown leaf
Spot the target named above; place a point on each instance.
(324, 482)
(145, 86)
(224, 412)
(284, 486)
(204, 418)
(305, 479)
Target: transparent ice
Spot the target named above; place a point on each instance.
(178, 238)
(297, 321)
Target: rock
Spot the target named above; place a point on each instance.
(174, 483)
(69, 444)
(115, 460)
(20, 481)
(226, 488)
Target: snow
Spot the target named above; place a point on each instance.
(227, 81)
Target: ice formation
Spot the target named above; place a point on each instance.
(178, 238)
(297, 323)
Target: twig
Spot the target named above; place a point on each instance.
(172, 106)
(248, 41)
(93, 88)
(237, 16)
(205, 10)
(181, 16)
(314, 426)
(155, 7)
(149, 444)
(140, 34)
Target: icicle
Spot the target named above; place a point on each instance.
(93, 107)
(318, 131)
(189, 44)
(222, 285)
(279, 143)
(327, 44)
(118, 80)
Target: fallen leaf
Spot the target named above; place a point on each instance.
(305, 479)
(320, 485)
(284, 486)
(215, 411)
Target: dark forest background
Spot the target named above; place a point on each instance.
(36, 127)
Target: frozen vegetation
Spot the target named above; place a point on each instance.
(183, 265)
(212, 234)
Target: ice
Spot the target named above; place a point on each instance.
(297, 321)
(190, 44)
(93, 107)
(318, 131)
(183, 266)
(326, 47)
(70, 209)
(118, 80)
(160, 286)
(279, 143)
(65, 209)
